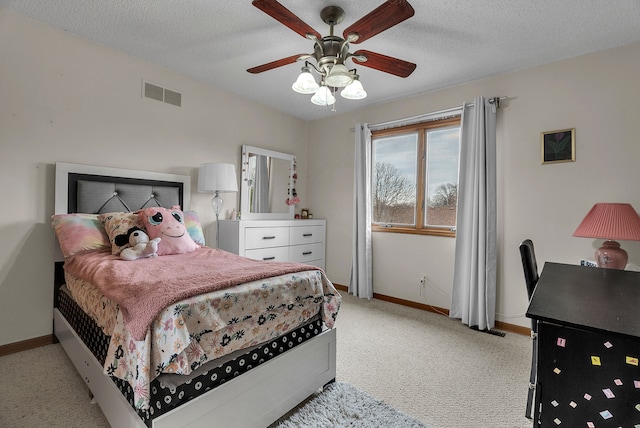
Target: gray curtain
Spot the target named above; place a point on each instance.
(361, 282)
(261, 190)
(473, 296)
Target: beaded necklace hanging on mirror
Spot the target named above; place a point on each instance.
(293, 198)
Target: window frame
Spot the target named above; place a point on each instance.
(421, 128)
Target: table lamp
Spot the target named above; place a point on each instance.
(611, 221)
(217, 178)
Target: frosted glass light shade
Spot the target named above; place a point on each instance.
(354, 91)
(217, 177)
(305, 83)
(323, 97)
(339, 76)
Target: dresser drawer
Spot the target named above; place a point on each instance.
(306, 253)
(276, 254)
(301, 241)
(306, 234)
(264, 237)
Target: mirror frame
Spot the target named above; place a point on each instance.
(244, 188)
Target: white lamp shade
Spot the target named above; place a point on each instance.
(323, 97)
(354, 91)
(339, 76)
(305, 84)
(220, 177)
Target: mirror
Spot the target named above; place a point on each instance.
(266, 184)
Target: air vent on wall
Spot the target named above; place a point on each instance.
(159, 93)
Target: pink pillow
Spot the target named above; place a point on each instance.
(192, 221)
(168, 225)
(77, 232)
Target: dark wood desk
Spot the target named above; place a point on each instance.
(588, 347)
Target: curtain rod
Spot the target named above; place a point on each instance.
(494, 100)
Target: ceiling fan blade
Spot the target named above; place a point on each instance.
(286, 17)
(384, 63)
(275, 64)
(382, 18)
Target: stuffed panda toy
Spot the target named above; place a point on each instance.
(140, 246)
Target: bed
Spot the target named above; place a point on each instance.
(246, 345)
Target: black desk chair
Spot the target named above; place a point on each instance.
(531, 277)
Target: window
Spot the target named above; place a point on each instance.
(415, 178)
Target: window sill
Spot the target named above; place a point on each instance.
(413, 231)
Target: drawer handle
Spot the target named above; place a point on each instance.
(268, 237)
(268, 258)
(306, 253)
(306, 235)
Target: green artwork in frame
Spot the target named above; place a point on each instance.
(559, 146)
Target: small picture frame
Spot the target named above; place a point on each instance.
(558, 146)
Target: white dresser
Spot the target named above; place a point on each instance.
(278, 240)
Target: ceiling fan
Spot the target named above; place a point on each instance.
(331, 52)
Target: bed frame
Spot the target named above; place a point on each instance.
(256, 398)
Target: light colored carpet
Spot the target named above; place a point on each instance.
(343, 405)
(425, 365)
(41, 388)
(433, 367)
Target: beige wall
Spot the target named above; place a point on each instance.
(63, 98)
(597, 94)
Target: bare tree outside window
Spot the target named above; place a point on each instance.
(443, 205)
(393, 196)
(415, 178)
(446, 195)
(442, 176)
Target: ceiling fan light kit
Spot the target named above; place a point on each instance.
(305, 83)
(354, 91)
(339, 76)
(331, 52)
(323, 96)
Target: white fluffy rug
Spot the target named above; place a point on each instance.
(342, 405)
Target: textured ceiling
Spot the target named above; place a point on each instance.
(451, 42)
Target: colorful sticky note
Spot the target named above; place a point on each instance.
(587, 397)
(561, 342)
(608, 345)
(595, 360)
(573, 404)
(617, 382)
(606, 414)
(638, 407)
(591, 425)
(636, 383)
(608, 393)
(557, 421)
(631, 360)
(557, 370)
(554, 403)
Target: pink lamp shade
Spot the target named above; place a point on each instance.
(611, 221)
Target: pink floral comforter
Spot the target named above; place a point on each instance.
(144, 287)
(197, 329)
